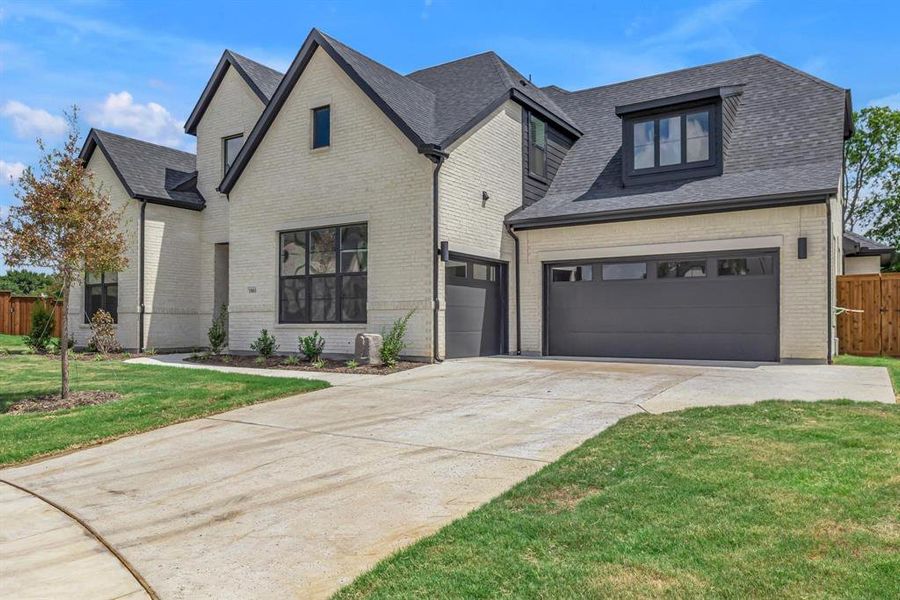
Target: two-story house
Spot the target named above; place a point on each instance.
(687, 215)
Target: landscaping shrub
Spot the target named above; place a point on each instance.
(291, 361)
(393, 341)
(41, 332)
(103, 333)
(217, 331)
(312, 346)
(265, 345)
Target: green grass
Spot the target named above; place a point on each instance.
(892, 364)
(773, 500)
(13, 344)
(152, 397)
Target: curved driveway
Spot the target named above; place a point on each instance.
(295, 497)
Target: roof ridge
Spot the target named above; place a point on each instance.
(140, 141)
(247, 58)
(809, 76)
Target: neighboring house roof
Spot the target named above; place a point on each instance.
(432, 107)
(785, 146)
(157, 174)
(858, 245)
(260, 78)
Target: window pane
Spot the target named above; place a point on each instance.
(91, 278)
(293, 300)
(293, 253)
(354, 249)
(324, 299)
(643, 145)
(322, 250)
(756, 265)
(94, 301)
(537, 153)
(538, 132)
(321, 127)
(573, 273)
(112, 301)
(456, 268)
(618, 271)
(483, 272)
(670, 141)
(232, 147)
(353, 298)
(681, 268)
(697, 136)
(110, 277)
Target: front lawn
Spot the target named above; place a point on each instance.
(13, 344)
(773, 500)
(892, 365)
(152, 397)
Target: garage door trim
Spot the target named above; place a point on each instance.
(725, 253)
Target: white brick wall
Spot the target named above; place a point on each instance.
(370, 173)
(803, 287)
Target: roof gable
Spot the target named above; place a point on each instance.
(262, 80)
(150, 172)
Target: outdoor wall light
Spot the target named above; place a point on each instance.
(801, 248)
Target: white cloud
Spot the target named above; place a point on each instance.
(150, 122)
(10, 172)
(892, 101)
(29, 121)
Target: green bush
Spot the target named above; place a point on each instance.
(312, 346)
(393, 341)
(217, 331)
(352, 364)
(291, 361)
(42, 321)
(265, 345)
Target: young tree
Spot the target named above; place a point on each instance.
(63, 223)
(872, 174)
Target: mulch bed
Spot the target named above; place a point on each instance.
(277, 362)
(52, 402)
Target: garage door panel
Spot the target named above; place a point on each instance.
(473, 316)
(729, 317)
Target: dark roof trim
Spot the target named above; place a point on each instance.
(849, 125)
(533, 106)
(313, 41)
(656, 212)
(227, 60)
(671, 101)
(93, 142)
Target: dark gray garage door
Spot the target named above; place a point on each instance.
(474, 317)
(717, 307)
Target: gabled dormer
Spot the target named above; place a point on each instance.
(678, 137)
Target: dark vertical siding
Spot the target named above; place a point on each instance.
(729, 118)
(558, 145)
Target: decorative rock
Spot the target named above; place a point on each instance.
(368, 349)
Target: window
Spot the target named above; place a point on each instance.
(756, 265)
(483, 272)
(101, 291)
(672, 141)
(230, 147)
(456, 268)
(322, 275)
(573, 273)
(681, 268)
(321, 123)
(537, 146)
(623, 271)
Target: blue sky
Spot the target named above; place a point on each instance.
(138, 67)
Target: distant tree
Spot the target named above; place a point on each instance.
(31, 283)
(64, 223)
(872, 175)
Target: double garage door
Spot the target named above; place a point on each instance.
(720, 306)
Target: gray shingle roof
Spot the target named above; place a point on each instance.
(856, 244)
(265, 78)
(787, 139)
(149, 171)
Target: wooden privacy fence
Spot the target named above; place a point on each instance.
(15, 314)
(876, 330)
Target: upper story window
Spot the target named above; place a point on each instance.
(671, 140)
(537, 146)
(321, 127)
(101, 291)
(231, 145)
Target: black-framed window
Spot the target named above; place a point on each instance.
(681, 268)
(745, 266)
(101, 291)
(673, 144)
(231, 145)
(537, 146)
(321, 127)
(572, 273)
(322, 274)
(624, 271)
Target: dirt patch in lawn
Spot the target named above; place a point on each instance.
(288, 364)
(52, 402)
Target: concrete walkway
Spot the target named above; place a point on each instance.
(295, 497)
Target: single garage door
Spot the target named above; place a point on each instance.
(474, 316)
(714, 306)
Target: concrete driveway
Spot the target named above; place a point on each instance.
(293, 498)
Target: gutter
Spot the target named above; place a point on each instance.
(437, 156)
(141, 278)
(830, 286)
(510, 229)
